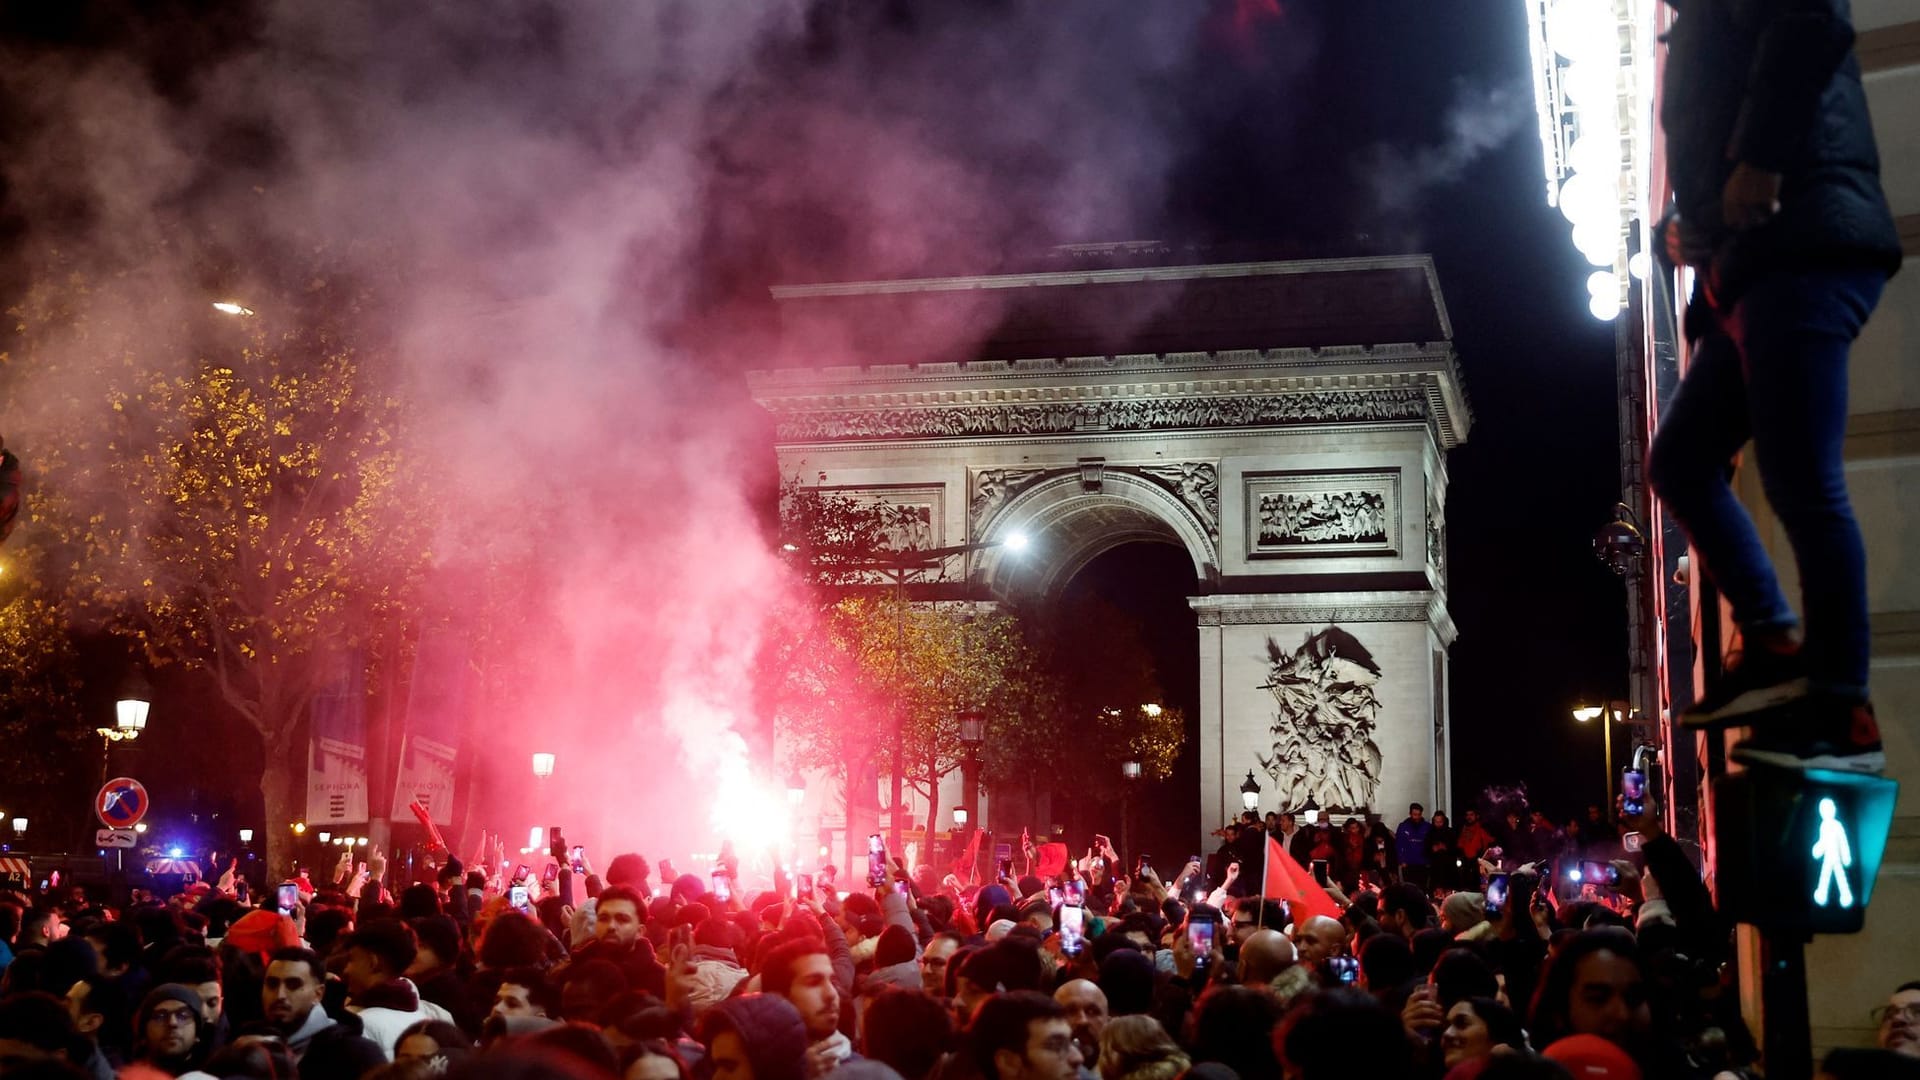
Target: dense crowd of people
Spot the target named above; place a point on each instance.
(1454, 954)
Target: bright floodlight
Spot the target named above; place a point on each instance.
(229, 307)
(543, 765)
(246, 836)
(1016, 541)
(1588, 712)
(1604, 308)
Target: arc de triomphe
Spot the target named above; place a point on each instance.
(1285, 424)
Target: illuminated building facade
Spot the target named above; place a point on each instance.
(1286, 425)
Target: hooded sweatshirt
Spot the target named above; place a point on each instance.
(389, 1009)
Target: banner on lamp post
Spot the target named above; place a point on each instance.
(337, 752)
(436, 710)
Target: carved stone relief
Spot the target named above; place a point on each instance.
(1325, 717)
(1322, 513)
(1195, 483)
(1436, 538)
(1198, 485)
(799, 424)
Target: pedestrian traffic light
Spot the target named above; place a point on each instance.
(1799, 851)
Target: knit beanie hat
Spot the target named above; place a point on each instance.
(896, 947)
(1463, 910)
(770, 1031)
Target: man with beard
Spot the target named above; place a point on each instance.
(801, 971)
(290, 993)
(1086, 1006)
(618, 921)
(167, 1029)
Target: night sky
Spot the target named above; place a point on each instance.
(1285, 130)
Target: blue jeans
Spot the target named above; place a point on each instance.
(1777, 375)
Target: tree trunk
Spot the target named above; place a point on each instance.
(277, 790)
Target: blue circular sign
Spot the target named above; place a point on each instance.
(121, 804)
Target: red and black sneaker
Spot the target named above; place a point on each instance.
(1756, 681)
(1829, 733)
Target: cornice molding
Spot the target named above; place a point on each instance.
(770, 384)
(1325, 609)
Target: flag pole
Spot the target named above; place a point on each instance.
(1266, 857)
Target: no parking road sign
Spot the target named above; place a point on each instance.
(121, 804)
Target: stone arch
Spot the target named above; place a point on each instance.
(1069, 526)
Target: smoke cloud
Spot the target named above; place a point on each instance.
(1478, 120)
(571, 211)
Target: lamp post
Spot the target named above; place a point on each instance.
(1129, 773)
(1613, 712)
(973, 731)
(1250, 793)
(543, 765)
(1309, 811)
(129, 720)
(19, 829)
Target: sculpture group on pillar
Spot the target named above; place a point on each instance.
(1324, 722)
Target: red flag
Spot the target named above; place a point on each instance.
(968, 861)
(1288, 880)
(1053, 861)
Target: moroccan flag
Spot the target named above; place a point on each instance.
(967, 862)
(1053, 861)
(1288, 880)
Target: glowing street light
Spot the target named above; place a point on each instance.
(140, 827)
(360, 841)
(1250, 792)
(959, 817)
(246, 836)
(543, 765)
(299, 828)
(326, 837)
(20, 826)
(230, 307)
(1152, 710)
(1310, 811)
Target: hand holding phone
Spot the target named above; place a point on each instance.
(1633, 792)
(1496, 895)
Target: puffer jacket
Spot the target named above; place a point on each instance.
(1774, 83)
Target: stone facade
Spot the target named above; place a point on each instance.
(1298, 461)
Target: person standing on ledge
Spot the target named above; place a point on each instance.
(1778, 207)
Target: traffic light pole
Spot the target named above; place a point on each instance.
(1786, 1024)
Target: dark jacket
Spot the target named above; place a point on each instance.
(636, 962)
(1774, 83)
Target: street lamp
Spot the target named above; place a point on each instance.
(19, 826)
(140, 827)
(960, 818)
(246, 836)
(543, 765)
(326, 837)
(1250, 792)
(1614, 712)
(1129, 772)
(299, 828)
(1310, 811)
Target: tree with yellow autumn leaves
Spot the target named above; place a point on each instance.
(226, 490)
